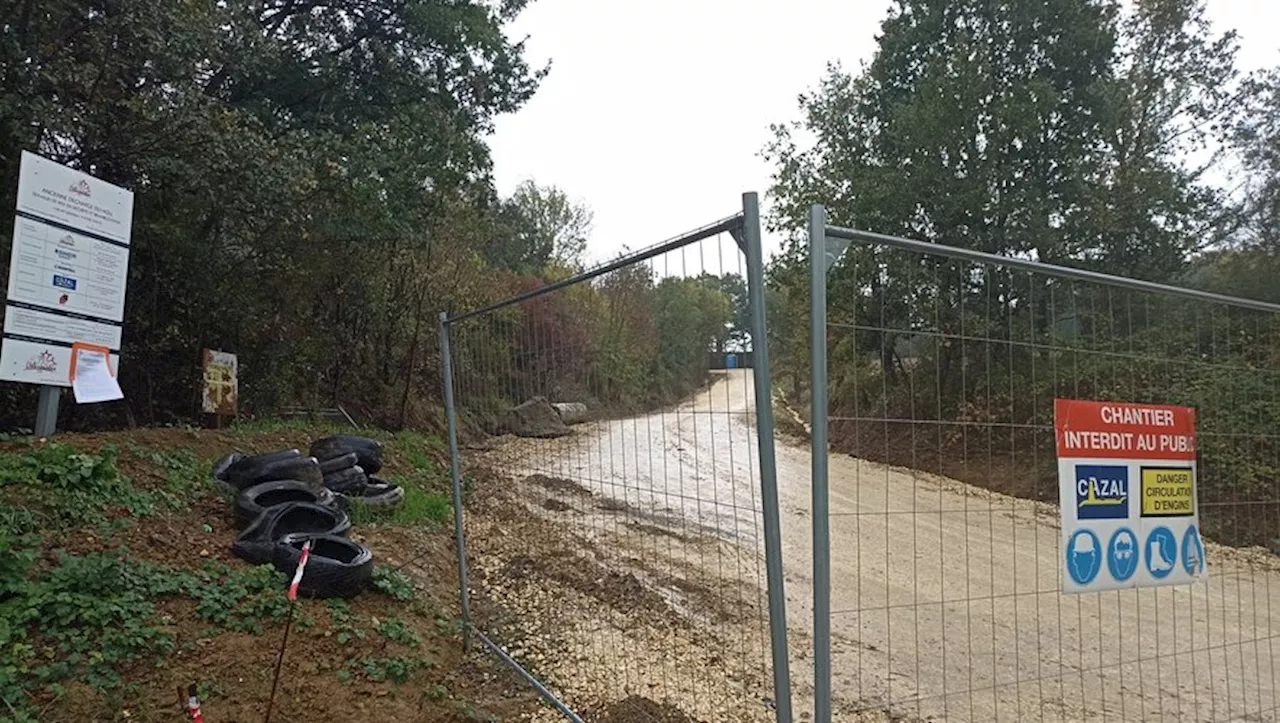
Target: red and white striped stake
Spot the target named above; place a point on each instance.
(193, 705)
(297, 576)
(288, 623)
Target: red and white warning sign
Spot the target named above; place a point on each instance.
(1127, 489)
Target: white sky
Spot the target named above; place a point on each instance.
(654, 113)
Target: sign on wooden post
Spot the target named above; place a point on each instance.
(221, 386)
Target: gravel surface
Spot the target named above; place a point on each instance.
(613, 615)
(947, 596)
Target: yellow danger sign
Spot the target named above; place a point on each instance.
(1168, 492)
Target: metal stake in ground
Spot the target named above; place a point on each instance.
(288, 623)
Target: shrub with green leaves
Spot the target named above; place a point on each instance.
(396, 669)
(393, 583)
(80, 619)
(237, 598)
(71, 488)
(84, 616)
(395, 630)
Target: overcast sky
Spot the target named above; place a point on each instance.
(655, 112)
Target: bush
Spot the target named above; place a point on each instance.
(82, 619)
(69, 488)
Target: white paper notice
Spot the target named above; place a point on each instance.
(93, 380)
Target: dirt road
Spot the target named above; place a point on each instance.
(946, 596)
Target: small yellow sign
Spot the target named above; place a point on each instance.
(1168, 492)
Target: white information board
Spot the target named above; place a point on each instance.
(74, 199)
(1127, 491)
(67, 271)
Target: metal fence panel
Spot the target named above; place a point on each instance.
(938, 565)
(629, 568)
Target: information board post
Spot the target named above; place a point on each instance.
(47, 411)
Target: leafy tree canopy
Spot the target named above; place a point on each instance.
(1058, 129)
(311, 177)
(540, 227)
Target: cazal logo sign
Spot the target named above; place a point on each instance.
(81, 188)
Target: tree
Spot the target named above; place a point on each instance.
(1058, 129)
(1076, 132)
(1055, 130)
(972, 124)
(540, 227)
(737, 331)
(1256, 136)
(692, 316)
(625, 338)
(1250, 265)
(1174, 90)
(311, 179)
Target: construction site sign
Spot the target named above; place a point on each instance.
(1127, 492)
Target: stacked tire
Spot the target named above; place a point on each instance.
(280, 499)
(348, 463)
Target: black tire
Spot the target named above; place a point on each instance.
(382, 494)
(368, 451)
(246, 464)
(339, 463)
(350, 481)
(303, 469)
(337, 567)
(251, 502)
(220, 467)
(256, 542)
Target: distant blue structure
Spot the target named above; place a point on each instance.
(729, 360)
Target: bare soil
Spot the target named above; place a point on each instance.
(558, 484)
(606, 600)
(236, 669)
(635, 709)
(608, 605)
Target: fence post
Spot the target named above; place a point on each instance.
(460, 540)
(768, 464)
(818, 453)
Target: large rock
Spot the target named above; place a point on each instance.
(536, 418)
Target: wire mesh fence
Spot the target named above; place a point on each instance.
(940, 371)
(614, 521)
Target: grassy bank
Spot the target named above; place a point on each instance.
(117, 588)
